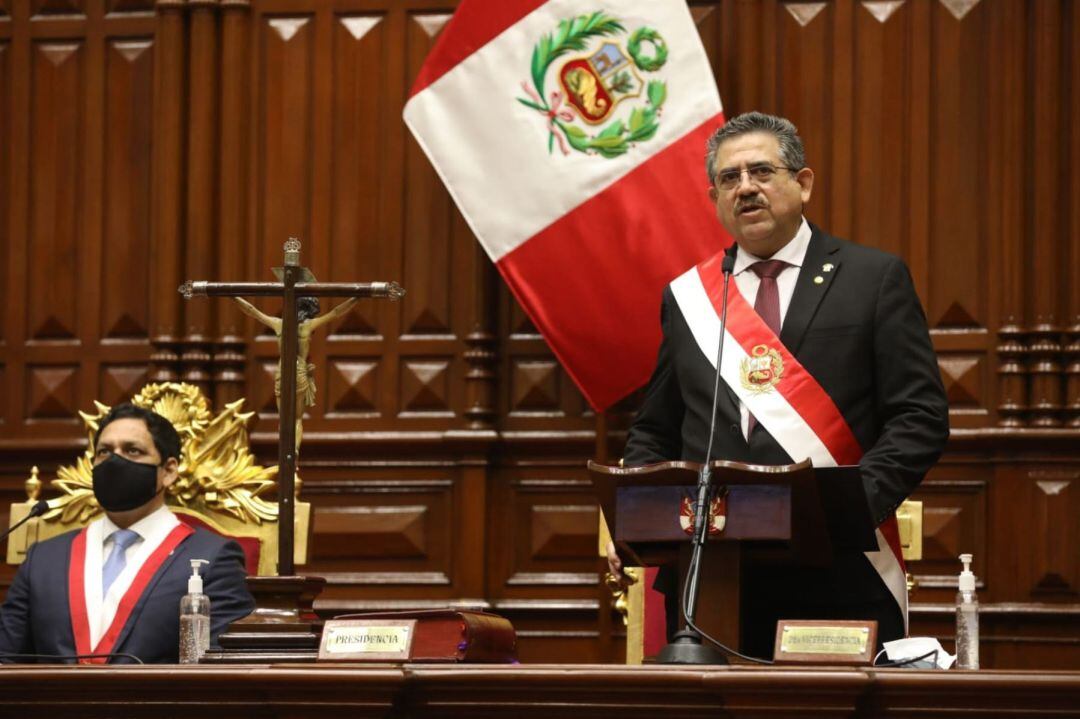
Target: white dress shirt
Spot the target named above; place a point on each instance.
(793, 253)
(152, 530)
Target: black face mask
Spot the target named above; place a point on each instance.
(120, 484)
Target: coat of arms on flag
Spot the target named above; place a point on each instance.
(593, 84)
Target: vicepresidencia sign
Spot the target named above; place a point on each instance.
(367, 640)
(825, 642)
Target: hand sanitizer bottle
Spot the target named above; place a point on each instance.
(194, 618)
(967, 619)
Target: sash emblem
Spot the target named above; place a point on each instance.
(762, 370)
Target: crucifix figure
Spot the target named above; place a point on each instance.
(308, 320)
(296, 282)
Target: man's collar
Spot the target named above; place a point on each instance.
(793, 253)
(154, 523)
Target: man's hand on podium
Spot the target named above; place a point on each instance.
(615, 567)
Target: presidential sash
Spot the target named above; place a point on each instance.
(780, 393)
(80, 622)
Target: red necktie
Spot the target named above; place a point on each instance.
(767, 304)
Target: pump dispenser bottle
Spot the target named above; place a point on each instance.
(194, 618)
(967, 619)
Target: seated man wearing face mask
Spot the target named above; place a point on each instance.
(114, 587)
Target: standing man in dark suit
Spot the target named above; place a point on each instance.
(827, 356)
(114, 587)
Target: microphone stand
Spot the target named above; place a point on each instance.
(37, 510)
(686, 647)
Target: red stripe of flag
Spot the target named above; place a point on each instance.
(804, 394)
(474, 24)
(596, 300)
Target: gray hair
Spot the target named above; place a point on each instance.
(792, 153)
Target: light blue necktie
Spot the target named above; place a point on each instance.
(122, 539)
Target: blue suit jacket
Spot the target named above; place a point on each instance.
(35, 617)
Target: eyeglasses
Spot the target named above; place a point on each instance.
(761, 173)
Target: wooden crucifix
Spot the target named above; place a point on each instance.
(295, 281)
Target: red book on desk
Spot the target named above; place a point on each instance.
(449, 635)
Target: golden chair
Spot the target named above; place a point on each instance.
(220, 487)
(629, 601)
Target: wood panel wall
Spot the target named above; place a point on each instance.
(143, 143)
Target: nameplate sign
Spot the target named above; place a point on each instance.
(367, 640)
(825, 642)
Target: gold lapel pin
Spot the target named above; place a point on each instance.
(827, 267)
(818, 280)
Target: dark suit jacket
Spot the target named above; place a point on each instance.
(35, 618)
(862, 334)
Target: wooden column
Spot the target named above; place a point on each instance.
(168, 172)
(1045, 184)
(201, 248)
(1072, 230)
(228, 348)
(480, 375)
(1006, 167)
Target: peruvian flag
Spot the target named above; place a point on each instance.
(571, 134)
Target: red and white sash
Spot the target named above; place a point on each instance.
(781, 394)
(80, 621)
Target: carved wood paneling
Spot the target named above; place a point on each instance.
(167, 166)
(58, 7)
(881, 96)
(954, 522)
(534, 387)
(57, 126)
(361, 157)
(562, 531)
(425, 387)
(6, 220)
(431, 219)
(283, 203)
(352, 388)
(1054, 507)
(374, 537)
(959, 54)
(129, 6)
(126, 269)
(547, 533)
(1072, 342)
(964, 377)
(200, 247)
(120, 383)
(51, 393)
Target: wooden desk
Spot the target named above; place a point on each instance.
(541, 691)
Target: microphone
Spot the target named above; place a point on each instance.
(686, 647)
(36, 511)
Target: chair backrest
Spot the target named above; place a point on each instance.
(220, 486)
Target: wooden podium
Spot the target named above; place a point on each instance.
(786, 514)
